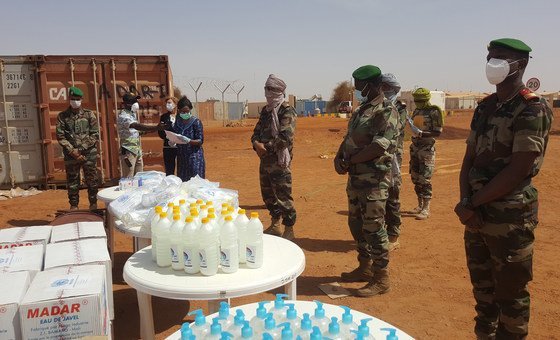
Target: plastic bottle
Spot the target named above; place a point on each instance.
(237, 325)
(176, 211)
(184, 208)
(222, 218)
(169, 210)
(229, 251)
(175, 233)
(208, 253)
(267, 336)
(227, 336)
(270, 326)
(211, 210)
(347, 323)
(241, 224)
(279, 308)
(215, 329)
(257, 322)
(334, 330)
(163, 255)
(318, 319)
(189, 247)
(254, 248)
(196, 217)
(200, 327)
(363, 329)
(305, 327)
(186, 332)
(286, 333)
(291, 317)
(226, 319)
(203, 211)
(232, 212)
(158, 210)
(315, 334)
(392, 335)
(153, 228)
(216, 231)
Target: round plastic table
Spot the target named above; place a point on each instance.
(374, 325)
(283, 262)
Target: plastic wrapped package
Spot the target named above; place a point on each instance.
(197, 183)
(150, 178)
(126, 202)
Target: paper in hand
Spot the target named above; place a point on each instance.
(174, 137)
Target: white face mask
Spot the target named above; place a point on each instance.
(135, 107)
(497, 70)
(75, 104)
(170, 106)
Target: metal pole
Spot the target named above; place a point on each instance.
(94, 68)
(196, 95)
(223, 103)
(8, 141)
(237, 93)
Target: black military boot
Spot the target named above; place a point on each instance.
(361, 274)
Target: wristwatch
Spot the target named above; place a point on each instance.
(466, 202)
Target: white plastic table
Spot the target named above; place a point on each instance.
(107, 196)
(374, 325)
(283, 262)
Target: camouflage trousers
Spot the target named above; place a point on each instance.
(422, 165)
(366, 219)
(500, 262)
(276, 191)
(393, 206)
(91, 177)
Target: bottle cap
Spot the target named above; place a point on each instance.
(261, 311)
(223, 312)
(291, 313)
(254, 214)
(306, 322)
(211, 215)
(163, 215)
(158, 208)
(241, 211)
(363, 327)
(279, 301)
(224, 212)
(176, 208)
(392, 333)
(319, 311)
(199, 201)
(209, 203)
(224, 205)
(231, 209)
(334, 328)
(182, 201)
(269, 322)
(170, 204)
(229, 218)
(211, 210)
(205, 220)
(246, 331)
(347, 317)
(189, 219)
(176, 217)
(193, 205)
(216, 328)
(199, 318)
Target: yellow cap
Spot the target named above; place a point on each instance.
(170, 204)
(225, 205)
(209, 203)
(241, 212)
(181, 201)
(163, 215)
(194, 213)
(176, 217)
(211, 215)
(231, 209)
(254, 214)
(193, 205)
(199, 201)
(176, 208)
(224, 212)
(189, 219)
(211, 210)
(205, 220)
(203, 207)
(229, 218)
(158, 208)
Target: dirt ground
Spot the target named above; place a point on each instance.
(431, 293)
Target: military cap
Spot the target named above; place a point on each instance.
(511, 44)
(421, 94)
(74, 91)
(130, 98)
(366, 72)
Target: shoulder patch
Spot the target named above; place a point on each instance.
(528, 95)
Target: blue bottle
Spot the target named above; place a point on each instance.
(392, 333)
(287, 333)
(270, 326)
(347, 323)
(305, 328)
(247, 331)
(200, 329)
(257, 322)
(334, 330)
(319, 319)
(223, 313)
(363, 329)
(238, 322)
(215, 329)
(315, 334)
(279, 308)
(186, 332)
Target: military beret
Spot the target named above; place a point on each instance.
(366, 72)
(130, 98)
(74, 91)
(511, 44)
(421, 94)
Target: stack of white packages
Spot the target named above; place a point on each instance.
(66, 303)
(78, 231)
(25, 236)
(29, 259)
(82, 252)
(10, 300)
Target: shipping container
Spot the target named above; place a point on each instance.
(235, 110)
(35, 90)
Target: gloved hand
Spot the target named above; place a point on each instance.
(185, 139)
(416, 132)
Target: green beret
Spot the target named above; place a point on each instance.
(367, 72)
(511, 44)
(421, 94)
(74, 91)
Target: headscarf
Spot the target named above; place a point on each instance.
(421, 95)
(274, 99)
(390, 80)
(184, 101)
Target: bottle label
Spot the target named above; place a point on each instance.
(250, 253)
(225, 257)
(202, 256)
(174, 254)
(188, 258)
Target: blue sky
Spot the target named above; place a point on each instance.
(311, 44)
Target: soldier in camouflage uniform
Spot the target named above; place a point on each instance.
(391, 88)
(426, 124)
(366, 154)
(505, 150)
(273, 140)
(77, 133)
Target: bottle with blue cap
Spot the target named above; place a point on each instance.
(316, 334)
(186, 332)
(347, 323)
(279, 308)
(257, 322)
(238, 322)
(270, 326)
(247, 331)
(291, 316)
(226, 319)
(363, 329)
(200, 328)
(287, 333)
(319, 319)
(215, 329)
(392, 333)
(334, 330)
(305, 327)
(227, 336)
(267, 336)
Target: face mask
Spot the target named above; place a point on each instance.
(75, 104)
(358, 95)
(497, 70)
(391, 95)
(185, 116)
(420, 105)
(170, 106)
(135, 107)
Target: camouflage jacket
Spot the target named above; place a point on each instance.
(77, 131)
(429, 118)
(521, 124)
(403, 114)
(285, 138)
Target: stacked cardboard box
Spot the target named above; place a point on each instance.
(10, 300)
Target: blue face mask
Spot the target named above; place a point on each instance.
(185, 116)
(358, 95)
(391, 95)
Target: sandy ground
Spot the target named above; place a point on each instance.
(431, 294)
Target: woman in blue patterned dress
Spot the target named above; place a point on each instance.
(190, 156)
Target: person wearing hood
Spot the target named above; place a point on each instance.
(273, 140)
(168, 119)
(190, 154)
(129, 130)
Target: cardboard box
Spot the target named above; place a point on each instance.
(25, 236)
(76, 253)
(77, 231)
(10, 299)
(65, 303)
(19, 259)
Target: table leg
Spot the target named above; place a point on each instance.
(214, 305)
(111, 227)
(290, 289)
(147, 331)
(141, 243)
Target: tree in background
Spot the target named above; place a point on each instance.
(342, 92)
